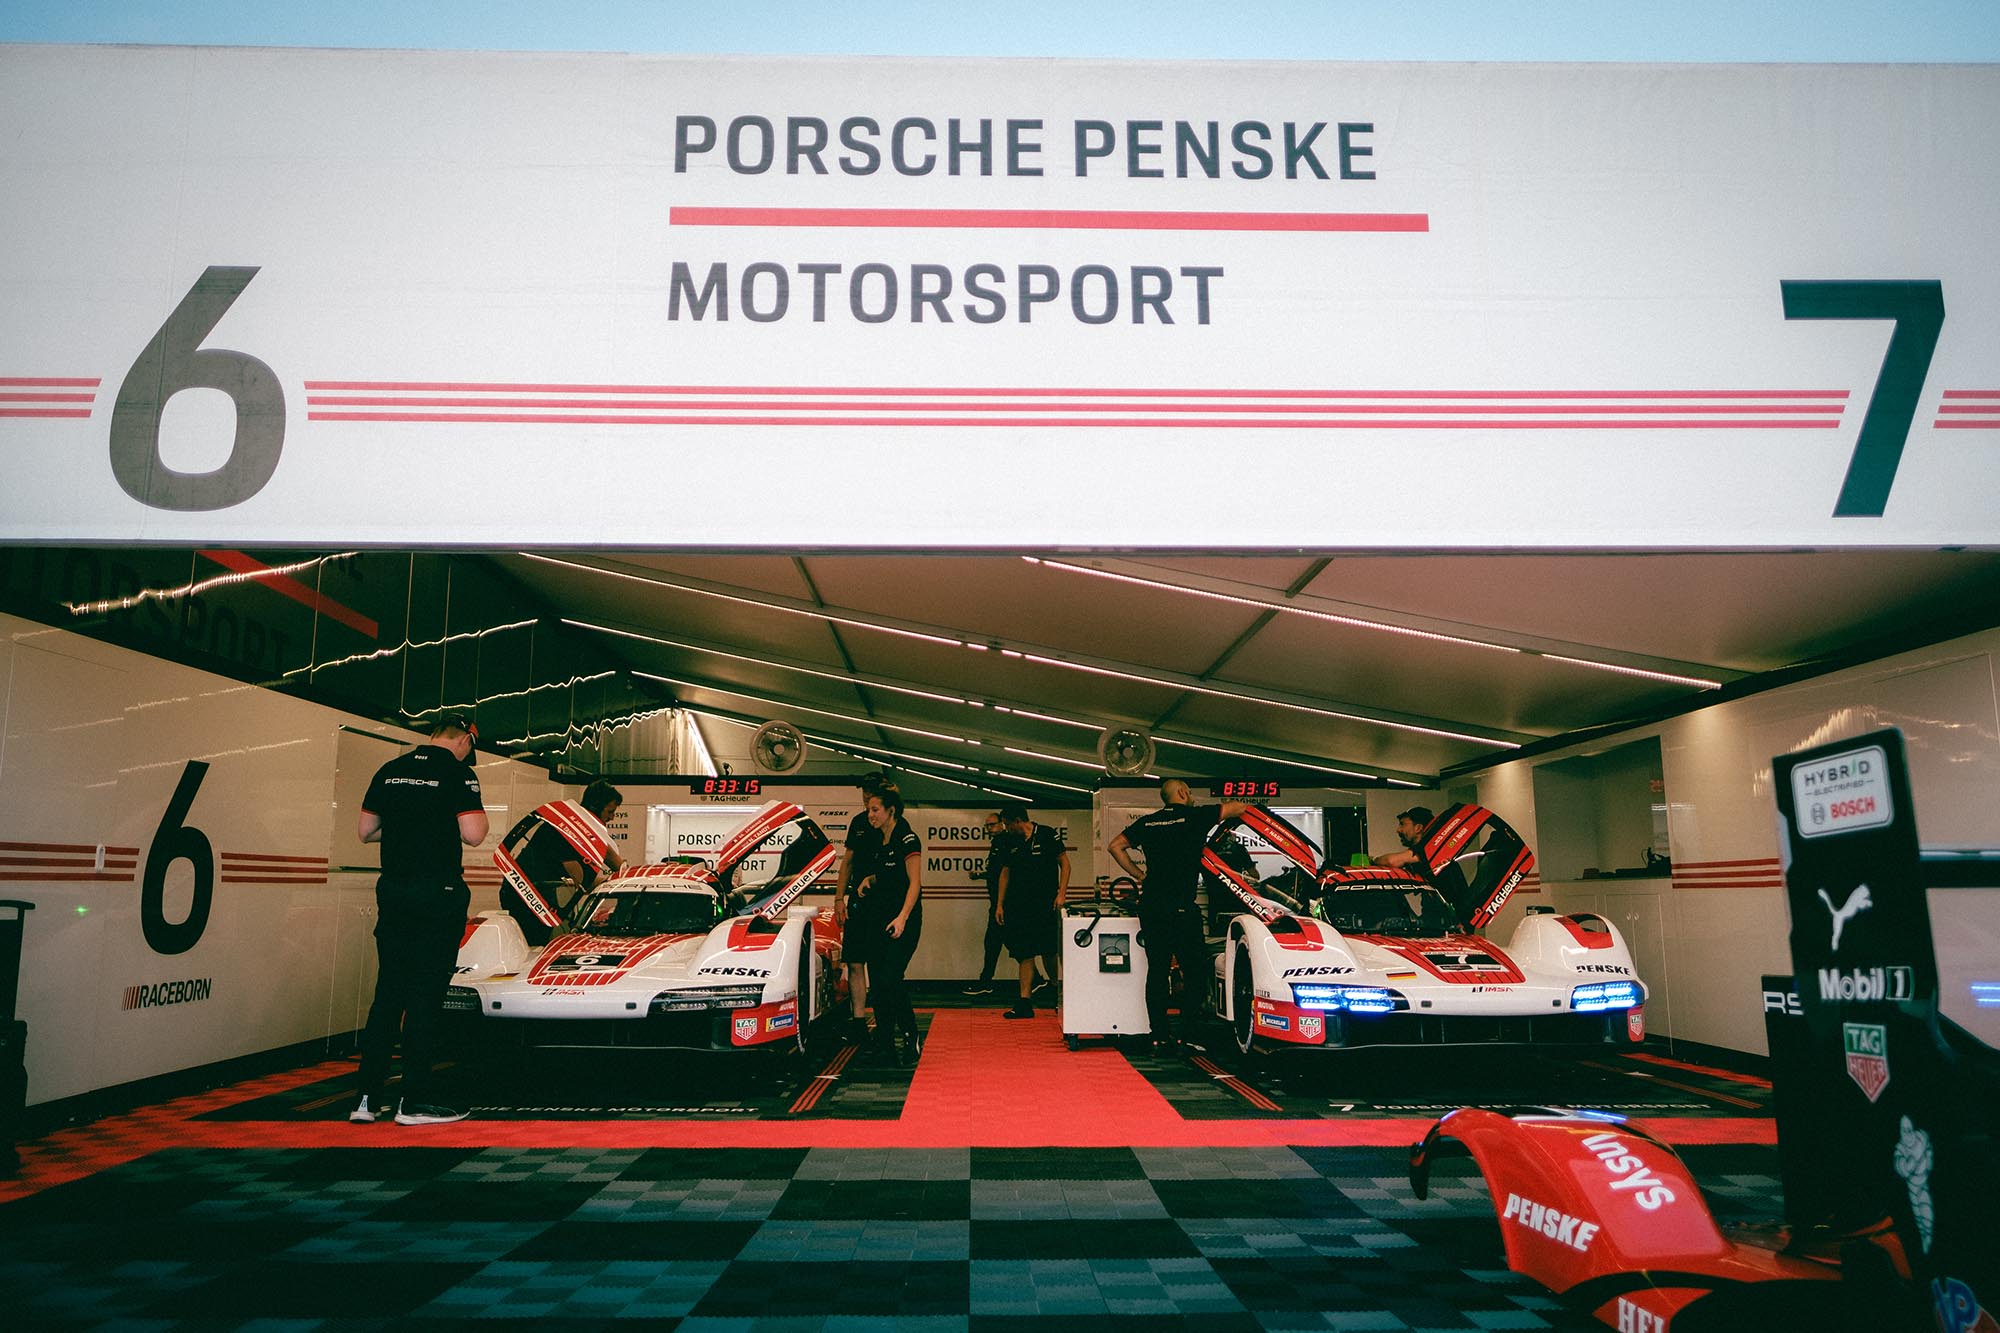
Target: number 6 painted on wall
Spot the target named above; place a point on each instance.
(1918, 310)
(175, 360)
(175, 841)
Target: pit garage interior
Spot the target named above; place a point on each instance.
(730, 429)
(1614, 707)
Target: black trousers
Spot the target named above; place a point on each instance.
(886, 987)
(416, 946)
(1174, 932)
(995, 936)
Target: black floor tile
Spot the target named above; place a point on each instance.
(715, 1164)
(281, 1289)
(614, 1241)
(919, 1200)
(771, 1291)
(1140, 1239)
(1056, 1164)
(498, 1200)
(1254, 1198)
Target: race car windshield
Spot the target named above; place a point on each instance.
(634, 915)
(1412, 913)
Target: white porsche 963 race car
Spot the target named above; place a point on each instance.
(1341, 956)
(713, 956)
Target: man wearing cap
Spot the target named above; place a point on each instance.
(1034, 879)
(1410, 829)
(422, 808)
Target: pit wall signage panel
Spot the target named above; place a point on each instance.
(1601, 305)
(188, 843)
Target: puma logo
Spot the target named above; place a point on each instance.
(1857, 902)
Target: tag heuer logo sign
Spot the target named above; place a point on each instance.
(1867, 1057)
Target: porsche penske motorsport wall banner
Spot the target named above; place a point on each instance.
(318, 297)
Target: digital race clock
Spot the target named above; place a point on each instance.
(1245, 789)
(729, 787)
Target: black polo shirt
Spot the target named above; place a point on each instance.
(419, 798)
(1172, 839)
(1033, 865)
(888, 862)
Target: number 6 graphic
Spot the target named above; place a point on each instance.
(175, 360)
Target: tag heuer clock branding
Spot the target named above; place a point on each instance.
(1867, 1057)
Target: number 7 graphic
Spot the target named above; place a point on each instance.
(1918, 311)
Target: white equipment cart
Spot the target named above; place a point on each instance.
(1103, 968)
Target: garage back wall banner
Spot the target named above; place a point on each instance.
(328, 297)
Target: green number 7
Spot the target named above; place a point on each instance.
(1918, 310)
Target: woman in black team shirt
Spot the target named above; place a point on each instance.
(886, 917)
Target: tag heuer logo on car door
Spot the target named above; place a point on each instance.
(1867, 1056)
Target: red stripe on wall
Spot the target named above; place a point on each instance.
(651, 419)
(983, 391)
(1046, 219)
(286, 586)
(65, 876)
(891, 405)
(88, 849)
(261, 856)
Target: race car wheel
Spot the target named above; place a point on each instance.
(1242, 996)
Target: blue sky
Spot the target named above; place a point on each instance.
(1663, 30)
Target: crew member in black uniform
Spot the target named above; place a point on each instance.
(995, 937)
(857, 831)
(1034, 879)
(422, 808)
(1169, 917)
(549, 861)
(886, 917)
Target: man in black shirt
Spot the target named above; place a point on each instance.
(1169, 918)
(422, 808)
(1034, 878)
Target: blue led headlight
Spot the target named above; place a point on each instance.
(1598, 995)
(1355, 999)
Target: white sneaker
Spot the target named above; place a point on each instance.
(414, 1113)
(364, 1114)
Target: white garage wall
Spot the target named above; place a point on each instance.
(1703, 937)
(96, 741)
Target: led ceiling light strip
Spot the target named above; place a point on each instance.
(1359, 622)
(843, 678)
(1286, 608)
(876, 682)
(790, 607)
(767, 604)
(1060, 759)
(881, 755)
(126, 603)
(803, 708)
(406, 645)
(571, 683)
(1667, 676)
(1274, 703)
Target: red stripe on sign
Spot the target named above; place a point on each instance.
(1045, 219)
(286, 586)
(78, 859)
(1949, 393)
(48, 397)
(49, 381)
(44, 413)
(891, 405)
(261, 856)
(811, 390)
(1962, 424)
(551, 419)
